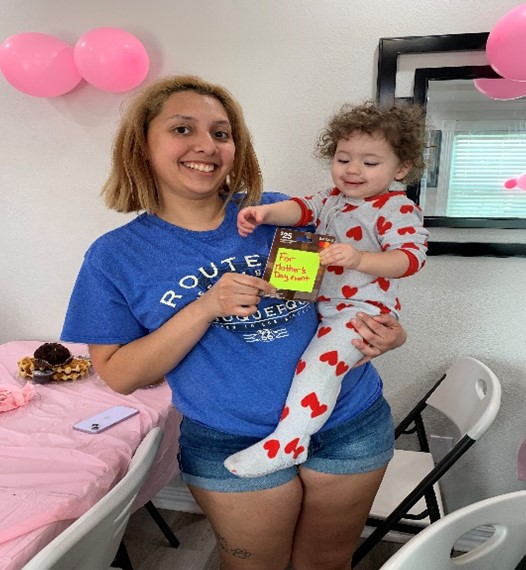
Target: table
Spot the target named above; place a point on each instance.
(51, 474)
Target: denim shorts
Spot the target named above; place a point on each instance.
(364, 443)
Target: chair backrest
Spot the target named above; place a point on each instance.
(92, 541)
(469, 395)
(431, 549)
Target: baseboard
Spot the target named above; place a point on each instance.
(177, 497)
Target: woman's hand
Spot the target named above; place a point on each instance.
(380, 334)
(235, 294)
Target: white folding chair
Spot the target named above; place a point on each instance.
(409, 498)
(93, 540)
(505, 549)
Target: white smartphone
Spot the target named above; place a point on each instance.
(106, 419)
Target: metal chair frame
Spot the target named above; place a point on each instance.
(462, 379)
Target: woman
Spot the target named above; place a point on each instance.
(177, 293)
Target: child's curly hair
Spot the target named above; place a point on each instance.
(402, 125)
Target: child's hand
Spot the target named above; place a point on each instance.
(341, 254)
(249, 219)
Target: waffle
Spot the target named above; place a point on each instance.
(75, 369)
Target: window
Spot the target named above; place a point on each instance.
(480, 165)
(476, 159)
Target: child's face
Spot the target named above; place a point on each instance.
(364, 166)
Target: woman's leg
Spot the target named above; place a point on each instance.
(333, 514)
(255, 529)
(340, 480)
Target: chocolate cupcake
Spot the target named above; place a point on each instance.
(52, 353)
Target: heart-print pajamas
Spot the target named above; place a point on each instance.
(386, 222)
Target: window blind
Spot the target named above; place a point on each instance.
(480, 164)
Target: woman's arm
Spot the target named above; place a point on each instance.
(145, 360)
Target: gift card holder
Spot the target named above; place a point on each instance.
(293, 266)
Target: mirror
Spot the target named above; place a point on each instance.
(475, 143)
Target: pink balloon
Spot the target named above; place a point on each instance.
(506, 45)
(521, 181)
(503, 89)
(111, 59)
(511, 183)
(38, 64)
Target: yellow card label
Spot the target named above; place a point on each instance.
(295, 270)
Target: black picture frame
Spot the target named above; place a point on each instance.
(389, 51)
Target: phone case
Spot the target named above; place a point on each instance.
(104, 420)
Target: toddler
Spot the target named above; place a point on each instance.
(379, 238)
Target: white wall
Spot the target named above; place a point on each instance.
(290, 63)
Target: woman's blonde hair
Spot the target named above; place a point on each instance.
(131, 185)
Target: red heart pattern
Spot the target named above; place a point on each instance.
(300, 367)
(379, 201)
(381, 306)
(271, 447)
(284, 413)
(349, 292)
(322, 298)
(292, 447)
(330, 357)
(322, 331)
(383, 283)
(311, 401)
(341, 368)
(355, 233)
(383, 225)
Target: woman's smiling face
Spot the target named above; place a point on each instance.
(190, 146)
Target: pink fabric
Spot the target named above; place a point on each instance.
(51, 474)
(12, 397)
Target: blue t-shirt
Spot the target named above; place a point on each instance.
(237, 377)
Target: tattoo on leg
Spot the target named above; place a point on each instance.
(236, 552)
(240, 553)
(222, 543)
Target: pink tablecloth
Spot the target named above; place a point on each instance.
(51, 474)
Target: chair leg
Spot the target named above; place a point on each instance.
(122, 558)
(162, 524)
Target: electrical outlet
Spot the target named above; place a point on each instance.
(440, 446)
